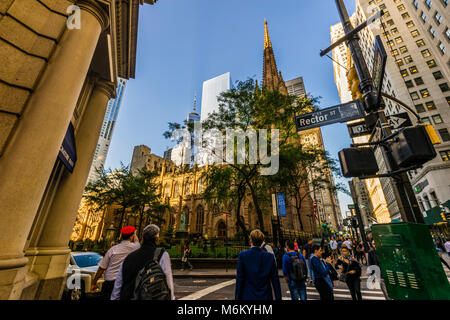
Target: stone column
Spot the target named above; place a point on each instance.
(50, 258)
(27, 163)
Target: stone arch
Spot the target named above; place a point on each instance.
(221, 229)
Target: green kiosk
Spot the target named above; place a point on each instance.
(410, 265)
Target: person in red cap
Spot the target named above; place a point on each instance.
(112, 260)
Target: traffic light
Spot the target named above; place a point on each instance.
(358, 162)
(412, 146)
(443, 216)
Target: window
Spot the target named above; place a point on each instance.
(386, 34)
(429, 3)
(415, 33)
(419, 81)
(386, 14)
(447, 32)
(413, 69)
(431, 63)
(420, 43)
(441, 47)
(394, 31)
(448, 100)
(426, 53)
(409, 84)
(424, 93)
(408, 59)
(414, 95)
(419, 108)
(445, 2)
(437, 119)
(438, 17)
(432, 31)
(438, 75)
(398, 40)
(403, 49)
(444, 134)
(404, 73)
(390, 23)
(395, 52)
(410, 24)
(405, 15)
(445, 155)
(426, 120)
(401, 7)
(399, 62)
(444, 87)
(424, 17)
(390, 43)
(416, 4)
(430, 105)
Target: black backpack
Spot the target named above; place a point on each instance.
(298, 268)
(151, 283)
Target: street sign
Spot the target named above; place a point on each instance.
(379, 63)
(281, 204)
(341, 113)
(351, 206)
(358, 129)
(399, 120)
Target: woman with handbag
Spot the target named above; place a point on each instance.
(185, 260)
(350, 273)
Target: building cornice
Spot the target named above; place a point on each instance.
(428, 169)
(94, 8)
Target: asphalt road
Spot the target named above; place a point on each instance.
(223, 289)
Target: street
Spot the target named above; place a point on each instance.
(223, 289)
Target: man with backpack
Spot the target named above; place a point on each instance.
(145, 274)
(295, 272)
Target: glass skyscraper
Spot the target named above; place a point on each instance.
(112, 111)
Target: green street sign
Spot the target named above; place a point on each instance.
(351, 206)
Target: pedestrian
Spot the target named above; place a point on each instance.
(359, 251)
(351, 272)
(136, 265)
(257, 274)
(110, 264)
(439, 251)
(348, 243)
(307, 252)
(334, 248)
(447, 246)
(185, 259)
(295, 272)
(325, 249)
(320, 270)
(268, 248)
(295, 245)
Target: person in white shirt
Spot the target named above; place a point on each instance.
(447, 247)
(112, 260)
(334, 248)
(126, 278)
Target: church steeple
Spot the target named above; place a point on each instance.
(272, 79)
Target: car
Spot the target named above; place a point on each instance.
(80, 272)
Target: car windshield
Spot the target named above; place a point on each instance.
(87, 260)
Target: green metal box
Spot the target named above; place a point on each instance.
(410, 265)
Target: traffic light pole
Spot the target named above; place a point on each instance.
(404, 194)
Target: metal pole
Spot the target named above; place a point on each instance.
(404, 194)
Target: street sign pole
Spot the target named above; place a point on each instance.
(404, 195)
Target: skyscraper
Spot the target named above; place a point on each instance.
(416, 35)
(107, 130)
(212, 88)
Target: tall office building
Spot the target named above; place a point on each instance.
(296, 87)
(416, 35)
(104, 141)
(212, 88)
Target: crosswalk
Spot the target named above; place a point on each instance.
(340, 294)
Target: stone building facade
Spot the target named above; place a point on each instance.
(52, 78)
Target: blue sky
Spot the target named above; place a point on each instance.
(185, 42)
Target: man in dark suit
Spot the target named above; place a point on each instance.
(257, 273)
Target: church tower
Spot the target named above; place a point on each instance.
(272, 78)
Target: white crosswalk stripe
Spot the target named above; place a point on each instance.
(341, 294)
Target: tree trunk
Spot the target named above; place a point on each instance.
(257, 207)
(241, 224)
(121, 223)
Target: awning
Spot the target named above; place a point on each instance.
(433, 216)
(68, 152)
